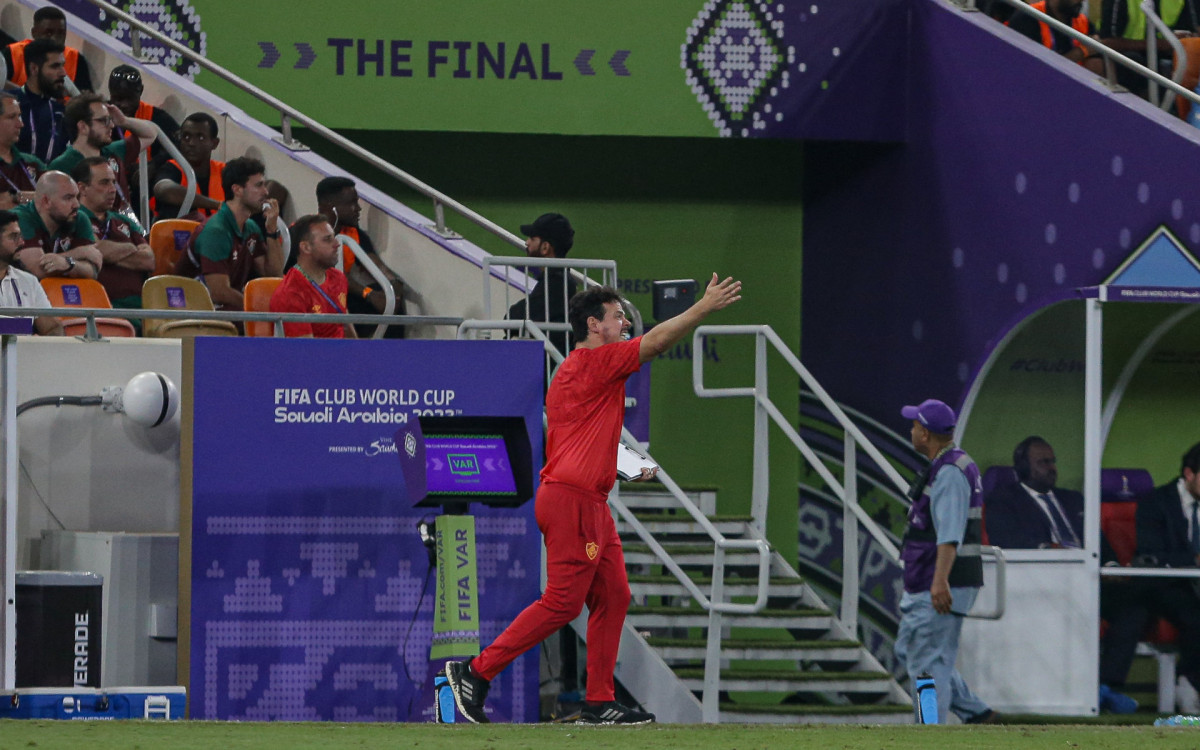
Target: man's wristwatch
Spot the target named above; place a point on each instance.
(70, 264)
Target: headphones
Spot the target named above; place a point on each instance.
(1021, 456)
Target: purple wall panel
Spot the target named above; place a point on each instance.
(1021, 179)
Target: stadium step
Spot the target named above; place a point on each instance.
(826, 654)
(669, 585)
(795, 681)
(801, 620)
(792, 662)
(785, 713)
(665, 525)
(652, 496)
(688, 553)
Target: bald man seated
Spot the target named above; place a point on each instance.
(57, 239)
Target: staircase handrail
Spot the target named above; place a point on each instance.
(147, 189)
(1156, 22)
(900, 448)
(854, 440)
(1110, 56)
(385, 285)
(765, 332)
(289, 113)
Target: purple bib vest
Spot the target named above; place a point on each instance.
(919, 550)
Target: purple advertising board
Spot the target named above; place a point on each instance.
(311, 592)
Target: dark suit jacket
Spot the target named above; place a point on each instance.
(1015, 521)
(1162, 529)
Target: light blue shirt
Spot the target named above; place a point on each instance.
(949, 500)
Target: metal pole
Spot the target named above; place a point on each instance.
(761, 485)
(1093, 449)
(850, 536)
(8, 360)
(710, 707)
(1151, 62)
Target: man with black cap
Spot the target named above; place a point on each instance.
(125, 93)
(549, 236)
(942, 567)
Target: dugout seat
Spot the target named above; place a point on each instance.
(179, 293)
(257, 298)
(169, 240)
(65, 292)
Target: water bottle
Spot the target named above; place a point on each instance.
(1178, 720)
(443, 701)
(927, 702)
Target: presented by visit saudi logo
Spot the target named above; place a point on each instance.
(736, 63)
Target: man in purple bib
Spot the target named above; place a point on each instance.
(942, 567)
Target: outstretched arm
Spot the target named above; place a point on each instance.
(718, 295)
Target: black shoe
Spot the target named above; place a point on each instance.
(987, 717)
(613, 713)
(469, 691)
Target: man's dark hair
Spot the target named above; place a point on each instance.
(9, 94)
(589, 304)
(48, 13)
(1191, 459)
(78, 110)
(38, 50)
(328, 188)
(303, 228)
(1021, 455)
(82, 172)
(203, 118)
(6, 218)
(237, 171)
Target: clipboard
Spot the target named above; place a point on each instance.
(630, 463)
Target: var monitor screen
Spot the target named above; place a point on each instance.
(476, 459)
(468, 465)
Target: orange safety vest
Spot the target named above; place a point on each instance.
(215, 190)
(17, 50)
(348, 254)
(1079, 23)
(144, 112)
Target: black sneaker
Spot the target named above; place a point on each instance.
(613, 713)
(469, 691)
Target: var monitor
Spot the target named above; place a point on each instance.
(476, 459)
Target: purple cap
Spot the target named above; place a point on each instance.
(933, 414)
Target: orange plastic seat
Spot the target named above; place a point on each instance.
(84, 293)
(169, 239)
(257, 298)
(179, 293)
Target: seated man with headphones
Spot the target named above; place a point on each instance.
(1032, 513)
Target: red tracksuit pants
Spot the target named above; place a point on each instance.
(584, 565)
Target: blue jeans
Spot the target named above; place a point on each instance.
(928, 642)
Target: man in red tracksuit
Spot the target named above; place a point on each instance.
(584, 562)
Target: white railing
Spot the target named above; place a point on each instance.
(846, 490)
(577, 268)
(385, 285)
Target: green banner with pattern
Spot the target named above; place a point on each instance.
(614, 68)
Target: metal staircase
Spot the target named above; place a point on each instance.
(790, 662)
